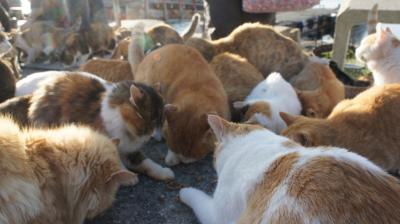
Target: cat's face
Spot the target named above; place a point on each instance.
(377, 46)
(140, 105)
(187, 133)
(307, 131)
(314, 103)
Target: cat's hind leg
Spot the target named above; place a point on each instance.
(201, 203)
(139, 163)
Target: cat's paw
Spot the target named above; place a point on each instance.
(185, 194)
(171, 159)
(166, 174)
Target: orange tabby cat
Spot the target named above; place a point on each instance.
(367, 124)
(109, 69)
(238, 77)
(320, 90)
(192, 90)
(57, 175)
(268, 50)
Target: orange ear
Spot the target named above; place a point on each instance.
(287, 118)
(123, 177)
(136, 94)
(217, 124)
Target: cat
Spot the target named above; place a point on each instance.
(17, 108)
(76, 50)
(345, 78)
(238, 77)
(267, 99)
(380, 51)
(366, 125)
(191, 90)
(61, 175)
(126, 110)
(266, 178)
(261, 45)
(112, 70)
(160, 35)
(5, 45)
(7, 81)
(318, 89)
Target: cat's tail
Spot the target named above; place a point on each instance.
(136, 49)
(372, 19)
(192, 28)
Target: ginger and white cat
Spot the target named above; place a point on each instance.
(265, 48)
(238, 77)
(318, 89)
(267, 99)
(126, 110)
(191, 90)
(266, 178)
(368, 125)
(61, 175)
(380, 51)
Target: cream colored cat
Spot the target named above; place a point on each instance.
(59, 175)
(368, 125)
(266, 178)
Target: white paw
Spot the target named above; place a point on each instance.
(171, 159)
(166, 174)
(157, 135)
(185, 194)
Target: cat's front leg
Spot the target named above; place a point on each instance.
(139, 163)
(202, 204)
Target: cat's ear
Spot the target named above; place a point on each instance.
(303, 138)
(287, 118)
(136, 94)
(218, 126)
(115, 141)
(123, 177)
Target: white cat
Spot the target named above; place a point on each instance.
(267, 99)
(266, 178)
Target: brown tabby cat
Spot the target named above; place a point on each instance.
(238, 77)
(192, 90)
(109, 69)
(266, 49)
(367, 125)
(59, 175)
(126, 110)
(319, 89)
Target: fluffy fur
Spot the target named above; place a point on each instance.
(267, 99)
(318, 89)
(238, 77)
(58, 175)
(367, 124)
(192, 91)
(261, 45)
(126, 110)
(266, 178)
(381, 53)
(111, 70)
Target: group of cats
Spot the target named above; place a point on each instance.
(301, 154)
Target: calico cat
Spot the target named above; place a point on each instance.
(380, 51)
(318, 89)
(266, 100)
(261, 45)
(126, 110)
(367, 125)
(266, 178)
(111, 70)
(61, 175)
(238, 77)
(191, 90)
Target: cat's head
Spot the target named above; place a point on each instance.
(378, 45)
(308, 131)
(225, 131)
(186, 132)
(140, 106)
(315, 103)
(258, 112)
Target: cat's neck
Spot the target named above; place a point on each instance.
(386, 70)
(112, 120)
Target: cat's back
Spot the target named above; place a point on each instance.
(112, 70)
(326, 185)
(68, 98)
